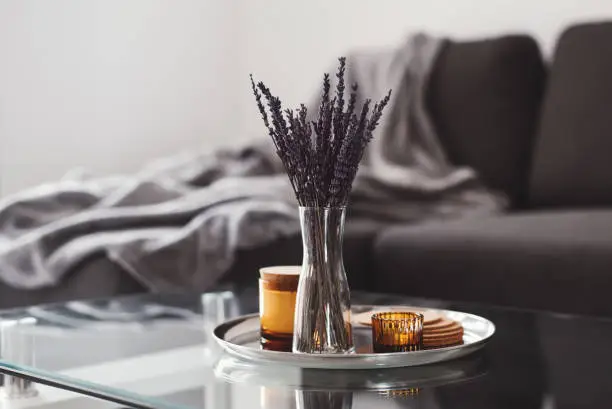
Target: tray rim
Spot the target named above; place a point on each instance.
(472, 347)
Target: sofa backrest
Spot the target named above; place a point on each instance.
(484, 99)
(572, 164)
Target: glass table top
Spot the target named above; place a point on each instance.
(155, 351)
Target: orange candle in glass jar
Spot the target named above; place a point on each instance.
(277, 293)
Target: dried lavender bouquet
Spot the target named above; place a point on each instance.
(321, 158)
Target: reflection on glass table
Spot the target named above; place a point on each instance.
(155, 351)
(130, 350)
(239, 371)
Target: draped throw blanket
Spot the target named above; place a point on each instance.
(179, 222)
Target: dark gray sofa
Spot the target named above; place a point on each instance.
(539, 132)
(554, 249)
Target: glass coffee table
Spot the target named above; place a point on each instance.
(155, 351)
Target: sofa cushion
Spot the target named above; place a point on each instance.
(94, 277)
(484, 98)
(555, 260)
(572, 165)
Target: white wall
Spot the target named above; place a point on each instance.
(109, 84)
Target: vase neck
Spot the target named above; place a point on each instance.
(322, 234)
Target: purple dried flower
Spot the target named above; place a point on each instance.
(351, 105)
(321, 157)
(339, 109)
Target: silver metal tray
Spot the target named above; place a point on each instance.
(240, 337)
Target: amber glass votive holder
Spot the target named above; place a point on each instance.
(400, 393)
(397, 332)
(277, 292)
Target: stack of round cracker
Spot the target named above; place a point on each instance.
(438, 330)
(442, 332)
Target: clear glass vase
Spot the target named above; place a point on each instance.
(322, 308)
(323, 400)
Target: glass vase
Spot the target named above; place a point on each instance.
(323, 399)
(322, 308)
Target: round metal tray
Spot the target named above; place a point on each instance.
(240, 337)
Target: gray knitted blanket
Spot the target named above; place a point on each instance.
(179, 222)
